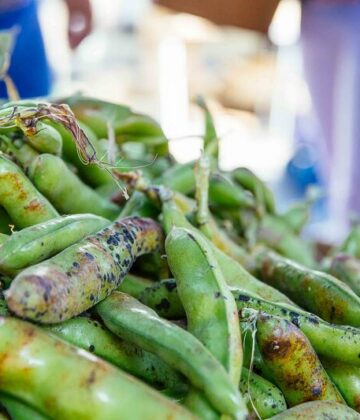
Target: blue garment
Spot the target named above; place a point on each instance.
(29, 68)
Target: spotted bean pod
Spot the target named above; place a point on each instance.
(293, 362)
(317, 292)
(83, 274)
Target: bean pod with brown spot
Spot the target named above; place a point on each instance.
(293, 362)
(83, 274)
(64, 382)
(25, 205)
(53, 178)
(318, 292)
(332, 341)
(319, 410)
(347, 380)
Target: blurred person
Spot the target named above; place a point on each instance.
(330, 35)
(29, 68)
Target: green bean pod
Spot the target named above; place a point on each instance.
(163, 298)
(234, 272)
(263, 397)
(211, 139)
(138, 205)
(317, 292)
(351, 245)
(225, 194)
(135, 285)
(135, 322)
(19, 410)
(336, 342)
(347, 269)
(92, 336)
(83, 274)
(91, 173)
(297, 216)
(44, 138)
(347, 380)
(19, 151)
(210, 308)
(24, 204)
(96, 113)
(319, 410)
(237, 276)
(65, 190)
(80, 386)
(293, 362)
(180, 178)
(127, 125)
(263, 195)
(275, 233)
(39, 242)
(173, 209)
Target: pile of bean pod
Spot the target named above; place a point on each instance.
(135, 287)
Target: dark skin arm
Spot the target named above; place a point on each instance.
(80, 21)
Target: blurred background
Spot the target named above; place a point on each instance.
(281, 78)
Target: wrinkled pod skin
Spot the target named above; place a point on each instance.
(293, 362)
(81, 386)
(135, 322)
(319, 410)
(83, 274)
(36, 243)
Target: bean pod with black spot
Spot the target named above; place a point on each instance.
(83, 274)
(332, 341)
(317, 292)
(263, 397)
(92, 336)
(293, 362)
(36, 243)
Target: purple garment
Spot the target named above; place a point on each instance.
(331, 50)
